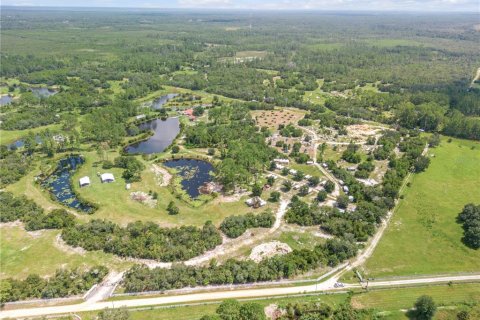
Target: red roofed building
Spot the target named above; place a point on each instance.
(189, 113)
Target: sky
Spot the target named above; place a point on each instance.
(347, 5)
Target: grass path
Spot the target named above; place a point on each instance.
(423, 236)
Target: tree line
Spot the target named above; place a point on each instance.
(144, 240)
(140, 278)
(470, 220)
(33, 216)
(63, 283)
(235, 226)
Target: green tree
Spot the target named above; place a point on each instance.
(257, 190)
(329, 186)
(342, 201)
(252, 311)
(287, 185)
(114, 314)
(229, 310)
(425, 308)
(322, 195)
(274, 196)
(172, 208)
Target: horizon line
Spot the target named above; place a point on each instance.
(239, 9)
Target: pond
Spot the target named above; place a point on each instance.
(165, 132)
(41, 92)
(20, 143)
(194, 173)
(6, 99)
(159, 102)
(58, 183)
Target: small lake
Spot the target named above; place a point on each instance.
(159, 102)
(58, 183)
(6, 99)
(41, 92)
(20, 143)
(165, 132)
(194, 173)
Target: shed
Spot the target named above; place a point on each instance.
(107, 177)
(84, 181)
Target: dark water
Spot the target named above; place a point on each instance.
(58, 183)
(165, 132)
(194, 174)
(20, 143)
(4, 100)
(43, 92)
(159, 102)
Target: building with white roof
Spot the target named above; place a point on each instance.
(84, 181)
(107, 177)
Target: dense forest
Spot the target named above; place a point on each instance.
(144, 240)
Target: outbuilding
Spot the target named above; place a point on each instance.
(84, 181)
(283, 161)
(107, 177)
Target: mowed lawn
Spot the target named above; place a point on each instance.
(423, 236)
(404, 298)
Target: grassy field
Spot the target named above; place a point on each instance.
(404, 298)
(21, 252)
(317, 96)
(116, 205)
(388, 302)
(423, 236)
(9, 136)
(197, 311)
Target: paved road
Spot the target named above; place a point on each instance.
(327, 285)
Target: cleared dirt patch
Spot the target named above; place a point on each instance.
(269, 249)
(162, 176)
(273, 118)
(360, 132)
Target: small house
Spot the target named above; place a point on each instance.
(307, 177)
(84, 181)
(345, 189)
(107, 177)
(189, 114)
(293, 171)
